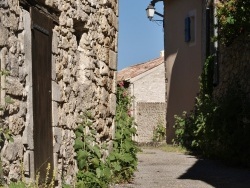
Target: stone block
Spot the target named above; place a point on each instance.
(16, 124)
(13, 86)
(4, 3)
(104, 69)
(13, 150)
(11, 21)
(112, 60)
(55, 119)
(4, 35)
(27, 137)
(57, 132)
(49, 3)
(112, 103)
(53, 67)
(55, 41)
(56, 92)
(114, 85)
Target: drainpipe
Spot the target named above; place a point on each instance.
(212, 31)
(215, 33)
(208, 30)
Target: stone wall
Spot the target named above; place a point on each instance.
(84, 61)
(148, 116)
(234, 67)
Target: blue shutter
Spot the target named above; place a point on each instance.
(187, 29)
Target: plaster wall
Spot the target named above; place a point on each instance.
(149, 86)
(183, 60)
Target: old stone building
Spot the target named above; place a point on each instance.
(147, 87)
(58, 60)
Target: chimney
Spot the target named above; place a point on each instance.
(162, 53)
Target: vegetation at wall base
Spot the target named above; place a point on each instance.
(217, 127)
(159, 132)
(95, 170)
(123, 159)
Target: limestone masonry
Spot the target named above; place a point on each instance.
(83, 78)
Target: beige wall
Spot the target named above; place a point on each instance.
(148, 89)
(183, 60)
(149, 86)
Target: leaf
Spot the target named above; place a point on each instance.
(98, 172)
(82, 154)
(127, 158)
(82, 163)
(111, 157)
(95, 161)
(106, 172)
(117, 167)
(78, 144)
(96, 149)
(78, 134)
(118, 135)
(80, 128)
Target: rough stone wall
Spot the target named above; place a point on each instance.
(148, 116)
(234, 67)
(84, 61)
(13, 113)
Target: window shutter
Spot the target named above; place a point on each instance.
(187, 29)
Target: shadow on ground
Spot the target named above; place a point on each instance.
(218, 175)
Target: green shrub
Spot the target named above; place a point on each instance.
(119, 166)
(123, 159)
(217, 127)
(159, 132)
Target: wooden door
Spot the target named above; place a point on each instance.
(41, 70)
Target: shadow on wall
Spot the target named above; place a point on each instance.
(218, 175)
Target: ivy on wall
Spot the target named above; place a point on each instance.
(233, 16)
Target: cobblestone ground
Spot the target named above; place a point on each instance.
(159, 169)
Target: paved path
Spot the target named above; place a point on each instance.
(159, 169)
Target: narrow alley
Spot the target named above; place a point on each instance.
(161, 169)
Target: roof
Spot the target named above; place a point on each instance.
(135, 70)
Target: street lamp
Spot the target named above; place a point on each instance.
(151, 11)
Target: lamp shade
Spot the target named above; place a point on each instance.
(150, 11)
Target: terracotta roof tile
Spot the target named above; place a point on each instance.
(135, 70)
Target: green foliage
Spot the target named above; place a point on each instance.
(119, 166)
(93, 171)
(123, 160)
(233, 16)
(218, 127)
(192, 129)
(159, 132)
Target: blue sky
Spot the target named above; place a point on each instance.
(139, 40)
